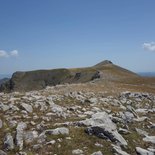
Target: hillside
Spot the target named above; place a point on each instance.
(99, 110)
(39, 79)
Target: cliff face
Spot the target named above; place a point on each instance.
(39, 79)
(35, 80)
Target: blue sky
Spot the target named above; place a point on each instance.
(45, 34)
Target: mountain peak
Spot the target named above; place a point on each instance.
(105, 62)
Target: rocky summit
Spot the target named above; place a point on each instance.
(102, 110)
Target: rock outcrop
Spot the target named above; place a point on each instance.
(52, 121)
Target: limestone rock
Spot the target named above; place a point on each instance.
(30, 136)
(77, 152)
(20, 134)
(27, 107)
(4, 107)
(57, 131)
(141, 132)
(2, 153)
(8, 142)
(149, 139)
(141, 151)
(102, 126)
(97, 153)
(1, 123)
(118, 150)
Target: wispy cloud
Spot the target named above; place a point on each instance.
(5, 54)
(149, 46)
(14, 53)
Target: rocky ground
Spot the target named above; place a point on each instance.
(56, 122)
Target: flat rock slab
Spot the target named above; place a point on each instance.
(27, 107)
(141, 151)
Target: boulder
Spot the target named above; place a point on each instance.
(8, 142)
(27, 107)
(102, 126)
(118, 150)
(128, 116)
(2, 153)
(4, 107)
(20, 134)
(104, 133)
(60, 111)
(78, 152)
(30, 136)
(150, 139)
(57, 131)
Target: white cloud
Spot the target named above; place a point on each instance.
(14, 53)
(149, 46)
(5, 54)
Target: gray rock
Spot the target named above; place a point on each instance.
(100, 118)
(13, 108)
(22, 153)
(2, 153)
(104, 133)
(123, 131)
(37, 147)
(93, 100)
(141, 132)
(140, 119)
(128, 116)
(97, 153)
(144, 111)
(151, 149)
(1, 123)
(98, 144)
(118, 150)
(27, 107)
(141, 151)
(51, 142)
(8, 142)
(78, 151)
(149, 139)
(12, 123)
(20, 134)
(102, 126)
(60, 111)
(58, 131)
(30, 136)
(4, 107)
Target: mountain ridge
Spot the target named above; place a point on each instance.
(39, 79)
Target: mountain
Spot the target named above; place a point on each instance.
(147, 74)
(39, 79)
(4, 80)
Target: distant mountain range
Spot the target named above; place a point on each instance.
(2, 76)
(148, 74)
